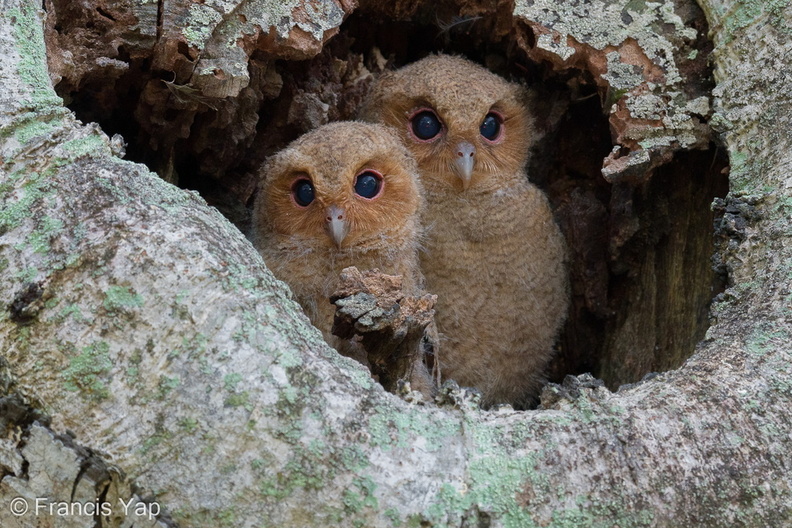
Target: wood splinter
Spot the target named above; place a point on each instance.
(397, 331)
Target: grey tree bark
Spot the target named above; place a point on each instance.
(164, 365)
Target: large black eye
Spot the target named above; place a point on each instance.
(425, 125)
(303, 192)
(368, 184)
(490, 127)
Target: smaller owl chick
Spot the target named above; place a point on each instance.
(345, 194)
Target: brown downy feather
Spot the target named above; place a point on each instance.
(383, 232)
(494, 255)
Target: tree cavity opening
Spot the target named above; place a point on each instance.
(640, 248)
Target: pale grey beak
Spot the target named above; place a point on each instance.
(465, 161)
(336, 225)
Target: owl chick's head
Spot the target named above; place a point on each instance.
(464, 124)
(345, 185)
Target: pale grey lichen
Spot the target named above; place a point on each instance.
(201, 22)
(216, 28)
(610, 26)
(620, 75)
(548, 42)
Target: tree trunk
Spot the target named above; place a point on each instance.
(149, 355)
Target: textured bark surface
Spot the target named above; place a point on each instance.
(622, 94)
(141, 321)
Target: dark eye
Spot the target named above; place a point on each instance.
(426, 125)
(490, 127)
(368, 184)
(303, 192)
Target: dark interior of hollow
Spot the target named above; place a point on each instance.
(640, 252)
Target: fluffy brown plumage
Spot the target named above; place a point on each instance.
(307, 245)
(494, 255)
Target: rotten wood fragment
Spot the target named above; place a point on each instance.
(396, 330)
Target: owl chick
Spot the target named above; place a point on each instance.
(494, 255)
(345, 194)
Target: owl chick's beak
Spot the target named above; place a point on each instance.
(336, 224)
(465, 161)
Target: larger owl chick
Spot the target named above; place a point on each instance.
(345, 194)
(494, 255)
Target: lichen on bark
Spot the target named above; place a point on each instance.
(223, 402)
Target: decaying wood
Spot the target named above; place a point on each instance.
(141, 321)
(395, 330)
